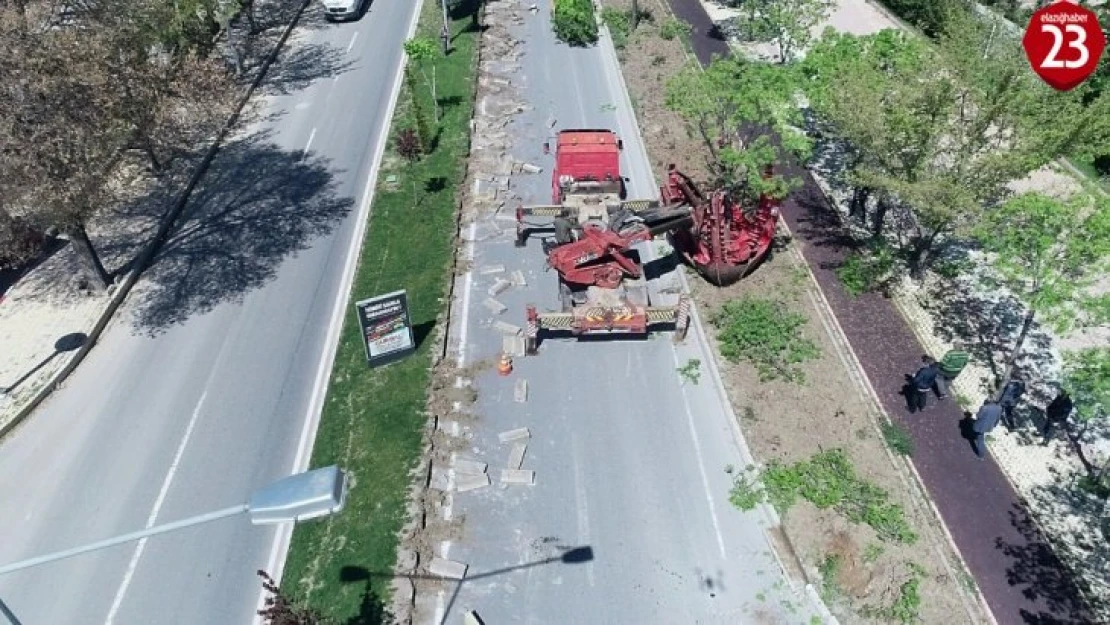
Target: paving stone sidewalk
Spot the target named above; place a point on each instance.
(1006, 550)
(40, 308)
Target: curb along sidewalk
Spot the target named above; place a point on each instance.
(31, 322)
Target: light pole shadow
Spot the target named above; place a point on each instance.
(67, 343)
(569, 555)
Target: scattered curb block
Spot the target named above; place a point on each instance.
(499, 286)
(513, 346)
(472, 467)
(506, 328)
(520, 393)
(517, 279)
(518, 476)
(471, 481)
(494, 306)
(516, 455)
(514, 435)
(491, 269)
(447, 568)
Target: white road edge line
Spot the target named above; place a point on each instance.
(468, 279)
(276, 563)
(117, 601)
(701, 462)
(354, 38)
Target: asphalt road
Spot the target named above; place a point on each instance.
(629, 462)
(153, 429)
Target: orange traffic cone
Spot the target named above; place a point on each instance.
(505, 366)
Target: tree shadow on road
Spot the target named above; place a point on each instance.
(257, 204)
(298, 66)
(1041, 576)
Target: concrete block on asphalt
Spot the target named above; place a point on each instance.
(517, 279)
(518, 434)
(518, 476)
(499, 286)
(494, 306)
(516, 455)
(506, 328)
(447, 568)
(513, 346)
(440, 481)
(529, 168)
(473, 467)
(469, 481)
(488, 270)
(520, 393)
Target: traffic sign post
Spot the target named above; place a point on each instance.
(1064, 43)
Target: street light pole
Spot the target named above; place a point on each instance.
(126, 538)
(299, 497)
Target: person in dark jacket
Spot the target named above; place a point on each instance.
(1056, 413)
(985, 421)
(922, 382)
(1009, 398)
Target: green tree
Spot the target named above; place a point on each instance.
(1087, 380)
(883, 96)
(938, 132)
(57, 156)
(1049, 253)
(788, 24)
(418, 49)
(928, 15)
(422, 51)
(731, 106)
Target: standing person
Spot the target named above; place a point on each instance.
(1056, 413)
(1009, 398)
(950, 366)
(922, 382)
(985, 421)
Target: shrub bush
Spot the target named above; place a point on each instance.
(760, 332)
(574, 22)
(671, 28)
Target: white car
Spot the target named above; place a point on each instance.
(343, 9)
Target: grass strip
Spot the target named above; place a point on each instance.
(372, 422)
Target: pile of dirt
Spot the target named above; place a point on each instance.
(790, 422)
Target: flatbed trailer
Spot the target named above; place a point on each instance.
(605, 311)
